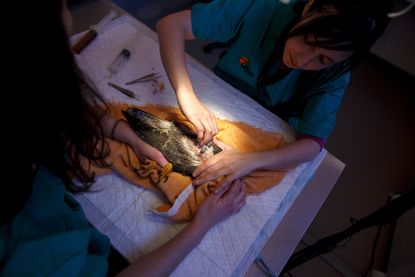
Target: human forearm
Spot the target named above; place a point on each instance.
(172, 31)
(214, 209)
(289, 155)
(120, 130)
(165, 259)
(234, 164)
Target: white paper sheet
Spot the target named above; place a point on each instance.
(124, 212)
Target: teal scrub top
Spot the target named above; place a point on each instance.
(253, 27)
(50, 236)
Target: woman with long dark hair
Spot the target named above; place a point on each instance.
(293, 57)
(58, 120)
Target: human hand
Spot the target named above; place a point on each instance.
(202, 119)
(219, 206)
(143, 149)
(230, 163)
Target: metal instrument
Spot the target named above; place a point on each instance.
(146, 78)
(125, 91)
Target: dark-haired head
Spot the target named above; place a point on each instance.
(57, 123)
(343, 25)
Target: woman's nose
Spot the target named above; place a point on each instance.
(307, 59)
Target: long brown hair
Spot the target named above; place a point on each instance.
(55, 122)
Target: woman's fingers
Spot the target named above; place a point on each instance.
(231, 192)
(242, 192)
(213, 125)
(200, 130)
(204, 166)
(161, 160)
(210, 129)
(221, 144)
(225, 184)
(210, 170)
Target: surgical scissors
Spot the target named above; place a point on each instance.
(145, 78)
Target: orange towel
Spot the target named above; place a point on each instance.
(146, 174)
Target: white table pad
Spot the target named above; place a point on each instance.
(124, 212)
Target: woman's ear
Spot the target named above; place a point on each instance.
(307, 7)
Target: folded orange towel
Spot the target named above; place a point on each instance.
(146, 173)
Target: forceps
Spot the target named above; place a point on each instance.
(145, 78)
(125, 91)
